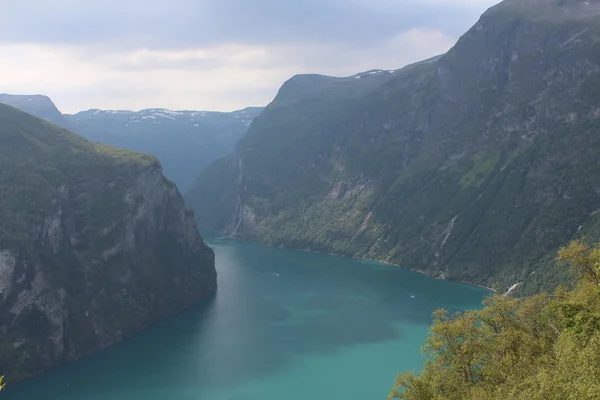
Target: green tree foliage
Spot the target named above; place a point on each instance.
(585, 260)
(542, 347)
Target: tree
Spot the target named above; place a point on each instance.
(542, 347)
(584, 260)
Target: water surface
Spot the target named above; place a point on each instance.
(284, 325)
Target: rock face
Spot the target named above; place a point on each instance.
(474, 166)
(95, 244)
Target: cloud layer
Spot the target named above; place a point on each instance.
(211, 54)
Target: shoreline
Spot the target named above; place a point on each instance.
(424, 273)
(367, 259)
(413, 270)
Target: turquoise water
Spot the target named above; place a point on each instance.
(284, 325)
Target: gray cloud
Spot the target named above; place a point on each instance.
(181, 24)
(210, 54)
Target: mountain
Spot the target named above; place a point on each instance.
(184, 141)
(473, 166)
(95, 244)
(39, 105)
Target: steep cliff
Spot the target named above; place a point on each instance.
(95, 244)
(473, 166)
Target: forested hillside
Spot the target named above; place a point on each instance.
(474, 166)
(95, 244)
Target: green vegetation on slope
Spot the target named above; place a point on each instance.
(185, 142)
(36, 157)
(475, 166)
(95, 244)
(542, 347)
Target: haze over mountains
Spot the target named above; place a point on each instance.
(184, 141)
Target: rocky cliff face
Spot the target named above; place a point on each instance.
(95, 245)
(474, 166)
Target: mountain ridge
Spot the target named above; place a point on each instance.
(39, 105)
(444, 167)
(186, 141)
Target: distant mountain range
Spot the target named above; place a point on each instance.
(39, 105)
(184, 141)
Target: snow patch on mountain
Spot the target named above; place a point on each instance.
(163, 115)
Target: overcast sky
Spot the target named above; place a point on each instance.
(210, 54)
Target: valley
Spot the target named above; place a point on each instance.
(185, 142)
(425, 230)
